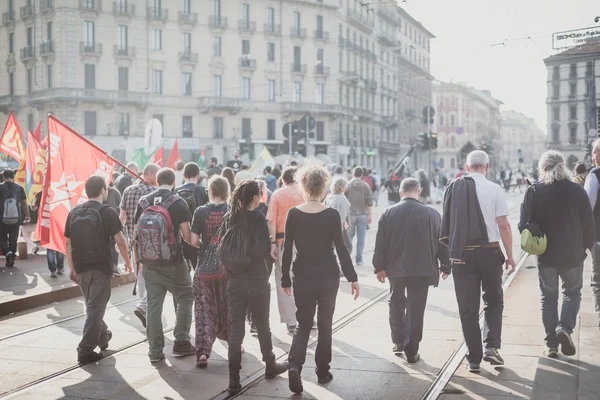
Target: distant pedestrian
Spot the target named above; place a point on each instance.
(126, 179)
(229, 174)
(592, 187)
(157, 247)
(243, 174)
(338, 201)
(425, 186)
(213, 167)
(14, 213)
(407, 252)
(562, 210)
(313, 230)
(179, 172)
(580, 173)
(476, 256)
(236, 163)
(518, 181)
(392, 187)
(360, 196)
(440, 181)
(88, 231)
(270, 179)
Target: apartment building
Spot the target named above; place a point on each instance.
(573, 99)
(521, 141)
(222, 80)
(466, 119)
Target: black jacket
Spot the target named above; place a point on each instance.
(564, 214)
(407, 243)
(462, 222)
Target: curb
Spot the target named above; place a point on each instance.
(42, 299)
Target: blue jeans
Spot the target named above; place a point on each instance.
(56, 260)
(358, 225)
(572, 282)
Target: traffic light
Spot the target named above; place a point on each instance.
(434, 141)
(424, 141)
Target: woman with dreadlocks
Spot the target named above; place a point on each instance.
(249, 288)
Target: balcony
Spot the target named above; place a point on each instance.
(27, 53)
(320, 70)
(26, 12)
(247, 26)
(247, 63)
(46, 6)
(110, 98)
(388, 40)
(8, 103)
(8, 19)
(47, 48)
(321, 35)
(188, 58)
(298, 33)
(94, 6)
(124, 52)
(362, 21)
(123, 10)
(312, 108)
(10, 60)
(272, 29)
(299, 68)
(158, 14)
(90, 49)
(389, 120)
(188, 18)
(207, 104)
(217, 22)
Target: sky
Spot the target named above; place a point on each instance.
(467, 49)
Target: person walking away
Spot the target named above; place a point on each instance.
(592, 187)
(519, 181)
(213, 167)
(248, 285)
(281, 201)
(243, 174)
(236, 163)
(211, 308)
(129, 203)
(425, 186)
(179, 175)
(314, 229)
(113, 200)
(162, 221)
(270, 179)
(408, 253)
(580, 173)
(88, 231)
(562, 210)
(476, 257)
(440, 182)
(370, 180)
(360, 196)
(338, 201)
(15, 212)
(228, 174)
(392, 187)
(126, 180)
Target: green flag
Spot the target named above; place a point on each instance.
(139, 157)
(201, 159)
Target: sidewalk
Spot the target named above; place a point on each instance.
(528, 374)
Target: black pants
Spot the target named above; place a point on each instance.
(256, 296)
(483, 270)
(307, 295)
(407, 309)
(9, 234)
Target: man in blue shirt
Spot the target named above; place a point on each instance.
(270, 180)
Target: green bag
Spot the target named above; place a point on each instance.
(533, 240)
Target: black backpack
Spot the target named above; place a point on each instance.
(88, 239)
(189, 195)
(235, 248)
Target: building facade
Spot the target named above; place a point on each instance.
(223, 80)
(466, 119)
(521, 141)
(573, 100)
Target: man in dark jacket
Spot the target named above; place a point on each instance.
(407, 251)
(126, 180)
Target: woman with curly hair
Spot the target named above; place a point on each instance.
(314, 230)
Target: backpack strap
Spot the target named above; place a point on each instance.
(170, 201)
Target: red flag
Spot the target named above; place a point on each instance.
(173, 156)
(12, 145)
(158, 157)
(38, 132)
(71, 161)
(35, 167)
(45, 142)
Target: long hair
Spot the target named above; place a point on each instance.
(228, 174)
(552, 167)
(240, 199)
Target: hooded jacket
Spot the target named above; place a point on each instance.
(360, 196)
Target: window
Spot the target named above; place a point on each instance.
(89, 123)
(157, 39)
(49, 30)
(589, 69)
(11, 42)
(122, 37)
(441, 120)
(441, 163)
(123, 124)
(573, 71)
(297, 57)
(555, 134)
(320, 58)
(11, 83)
(297, 22)
(556, 113)
(218, 127)
(217, 88)
(573, 134)
(186, 6)
(49, 75)
(319, 32)
(246, 88)
(186, 42)
(453, 120)
(29, 80)
(246, 127)
(245, 15)
(186, 81)
(555, 91)
(320, 93)
(157, 84)
(89, 33)
(90, 76)
(186, 126)
(271, 52)
(29, 36)
(573, 90)
(123, 78)
(270, 19)
(320, 131)
(298, 91)
(452, 142)
(271, 94)
(216, 46)
(573, 112)
(271, 129)
(245, 47)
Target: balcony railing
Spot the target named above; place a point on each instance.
(247, 26)
(247, 63)
(298, 33)
(124, 51)
(187, 57)
(188, 18)
(26, 12)
(47, 47)
(216, 21)
(299, 68)
(273, 29)
(322, 70)
(8, 18)
(87, 95)
(322, 35)
(27, 53)
(158, 14)
(94, 49)
(361, 19)
(46, 5)
(90, 5)
(123, 9)
(205, 104)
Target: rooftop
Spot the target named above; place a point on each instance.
(583, 51)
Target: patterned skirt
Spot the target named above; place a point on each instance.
(211, 309)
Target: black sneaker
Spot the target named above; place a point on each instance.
(104, 345)
(325, 379)
(551, 352)
(566, 342)
(295, 382)
(181, 349)
(89, 358)
(234, 384)
(10, 260)
(275, 369)
(492, 356)
(141, 314)
(413, 359)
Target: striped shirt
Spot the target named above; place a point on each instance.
(130, 200)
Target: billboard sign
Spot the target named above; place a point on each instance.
(567, 39)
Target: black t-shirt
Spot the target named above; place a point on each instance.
(393, 190)
(179, 211)
(207, 220)
(112, 226)
(234, 165)
(199, 191)
(12, 187)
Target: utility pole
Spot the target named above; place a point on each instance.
(429, 109)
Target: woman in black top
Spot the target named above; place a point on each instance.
(249, 287)
(314, 229)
